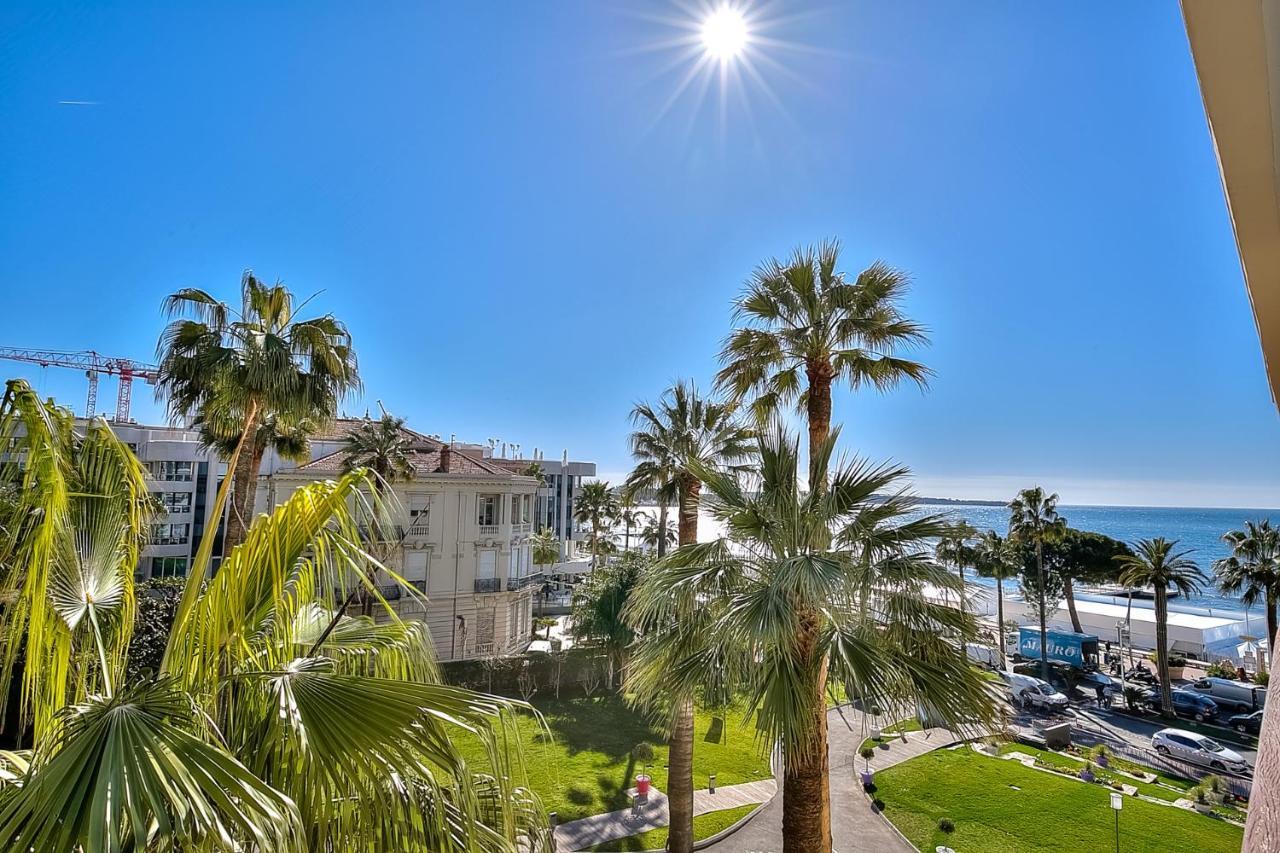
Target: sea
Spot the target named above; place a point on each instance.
(1197, 530)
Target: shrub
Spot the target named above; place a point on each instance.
(1213, 784)
(642, 752)
(947, 825)
(1221, 669)
(1262, 678)
(867, 753)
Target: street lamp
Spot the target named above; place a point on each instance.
(1117, 803)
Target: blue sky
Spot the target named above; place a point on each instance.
(526, 234)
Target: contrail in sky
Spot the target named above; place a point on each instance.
(79, 103)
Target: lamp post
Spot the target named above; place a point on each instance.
(1117, 803)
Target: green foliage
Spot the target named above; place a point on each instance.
(157, 601)
(1221, 669)
(599, 603)
(381, 446)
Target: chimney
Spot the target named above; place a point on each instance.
(446, 458)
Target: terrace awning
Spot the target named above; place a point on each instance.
(1236, 47)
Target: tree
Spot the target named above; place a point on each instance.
(805, 587)
(955, 549)
(544, 550)
(1157, 565)
(234, 369)
(993, 558)
(198, 754)
(1252, 570)
(657, 535)
(805, 326)
(1081, 555)
(629, 516)
(157, 605)
(688, 430)
(1034, 520)
(381, 446)
(598, 604)
(595, 505)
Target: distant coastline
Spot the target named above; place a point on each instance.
(959, 501)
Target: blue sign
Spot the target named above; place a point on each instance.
(1061, 646)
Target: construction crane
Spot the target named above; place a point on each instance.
(92, 363)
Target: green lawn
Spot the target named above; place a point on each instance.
(1002, 807)
(584, 766)
(704, 826)
(1070, 765)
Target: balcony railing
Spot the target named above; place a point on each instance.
(420, 528)
(489, 529)
(521, 529)
(514, 584)
(488, 584)
(381, 532)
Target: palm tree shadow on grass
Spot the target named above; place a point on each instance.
(604, 724)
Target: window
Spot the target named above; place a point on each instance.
(415, 566)
(170, 534)
(513, 564)
(487, 510)
(487, 567)
(515, 509)
(171, 472)
(168, 567)
(419, 511)
(526, 508)
(174, 503)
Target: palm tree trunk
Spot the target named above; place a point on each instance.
(595, 533)
(806, 789)
(1271, 622)
(819, 417)
(680, 778)
(1044, 630)
(244, 485)
(680, 745)
(1162, 652)
(1000, 620)
(626, 539)
(662, 529)
(1069, 594)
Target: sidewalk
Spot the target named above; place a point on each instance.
(581, 834)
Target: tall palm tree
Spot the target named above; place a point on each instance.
(1252, 571)
(234, 368)
(655, 470)
(857, 566)
(201, 755)
(806, 326)
(382, 446)
(1034, 519)
(595, 505)
(629, 516)
(992, 559)
(955, 549)
(1157, 565)
(689, 430)
(544, 550)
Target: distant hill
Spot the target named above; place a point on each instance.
(947, 501)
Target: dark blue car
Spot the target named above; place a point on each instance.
(1187, 704)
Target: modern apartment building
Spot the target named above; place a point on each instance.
(562, 480)
(462, 541)
(183, 478)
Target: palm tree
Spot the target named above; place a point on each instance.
(382, 446)
(1157, 565)
(954, 549)
(655, 470)
(807, 326)
(598, 606)
(629, 516)
(595, 505)
(853, 565)
(991, 559)
(544, 550)
(233, 369)
(1034, 519)
(200, 756)
(657, 534)
(688, 430)
(1252, 571)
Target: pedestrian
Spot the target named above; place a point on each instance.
(1102, 695)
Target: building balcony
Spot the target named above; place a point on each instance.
(521, 529)
(514, 584)
(488, 585)
(420, 529)
(490, 529)
(385, 533)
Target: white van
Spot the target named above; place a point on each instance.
(1239, 696)
(982, 655)
(1031, 692)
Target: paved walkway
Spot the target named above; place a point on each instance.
(581, 834)
(854, 824)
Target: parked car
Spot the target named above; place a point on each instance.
(1030, 692)
(1186, 703)
(1198, 749)
(1247, 723)
(1234, 695)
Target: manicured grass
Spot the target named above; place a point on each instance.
(704, 826)
(1073, 766)
(584, 766)
(1044, 813)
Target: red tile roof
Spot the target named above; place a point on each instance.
(425, 461)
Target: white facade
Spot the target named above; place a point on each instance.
(183, 478)
(462, 540)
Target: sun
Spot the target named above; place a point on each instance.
(724, 33)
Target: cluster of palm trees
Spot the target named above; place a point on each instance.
(817, 584)
(275, 721)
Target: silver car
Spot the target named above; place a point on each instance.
(1197, 749)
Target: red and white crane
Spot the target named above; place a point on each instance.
(92, 363)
